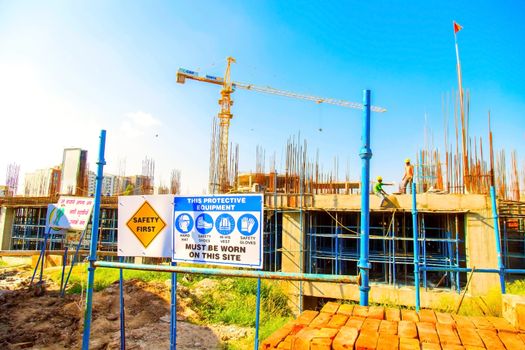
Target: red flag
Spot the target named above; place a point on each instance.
(457, 27)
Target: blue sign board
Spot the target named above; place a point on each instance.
(219, 229)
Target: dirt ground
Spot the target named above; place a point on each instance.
(49, 322)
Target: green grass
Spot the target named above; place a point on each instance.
(104, 277)
(517, 287)
(3, 263)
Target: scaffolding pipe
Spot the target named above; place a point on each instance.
(416, 245)
(366, 155)
(495, 215)
(94, 242)
(289, 276)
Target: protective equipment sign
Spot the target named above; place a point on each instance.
(143, 226)
(219, 229)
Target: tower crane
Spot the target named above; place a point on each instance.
(225, 103)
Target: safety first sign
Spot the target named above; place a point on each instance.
(144, 227)
(219, 229)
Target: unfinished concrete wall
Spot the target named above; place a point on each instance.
(480, 247)
(6, 225)
(292, 255)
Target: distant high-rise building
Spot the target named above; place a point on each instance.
(42, 182)
(74, 172)
(110, 184)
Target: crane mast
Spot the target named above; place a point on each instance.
(225, 115)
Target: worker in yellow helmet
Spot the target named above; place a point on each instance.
(378, 189)
(408, 177)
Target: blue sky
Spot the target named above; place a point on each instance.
(69, 69)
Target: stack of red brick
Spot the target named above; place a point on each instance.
(357, 327)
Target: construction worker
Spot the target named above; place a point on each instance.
(407, 177)
(378, 189)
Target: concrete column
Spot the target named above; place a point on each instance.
(292, 256)
(6, 227)
(480, 247)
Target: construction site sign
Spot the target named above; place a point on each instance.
(70, 214)
(219, 229)
(144, 227)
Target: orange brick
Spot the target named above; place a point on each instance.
(388, 342)
(409, 315)
(468, 347)
(490, 339)
(393, 314)
(370, 325)
(469, 336)
(502, 324)
(408, 344)
(360, 311)
(377, 312)
(444, 318)
(302, 340)
(407, 329)
(426, 315)
(481, 323)
(275, 338)
(345, 339)
(427, 332)
(284, 345)
(337, 321)
(346, 309)
(453, 347)
(306, 317)
(430, 346)
(330, 307)
(328, 333)
(322, 319)
(321, 344)
(447, 334)
(366, 341)
(520, 316)
(463, 322)
(511, 340)
(355, 322)
(388, 327)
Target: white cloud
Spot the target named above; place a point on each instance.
(136, 123)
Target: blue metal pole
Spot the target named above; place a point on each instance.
(173, 318)
(122, 310)
(495, 215)
(64, 263)
(42, 252)
(43, 262)
(257, 315)
(73, 261)
(416, 244)
(365, 154)
(94, 242)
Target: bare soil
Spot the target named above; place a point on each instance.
(28, 321)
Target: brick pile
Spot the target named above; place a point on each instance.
(346, 327)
